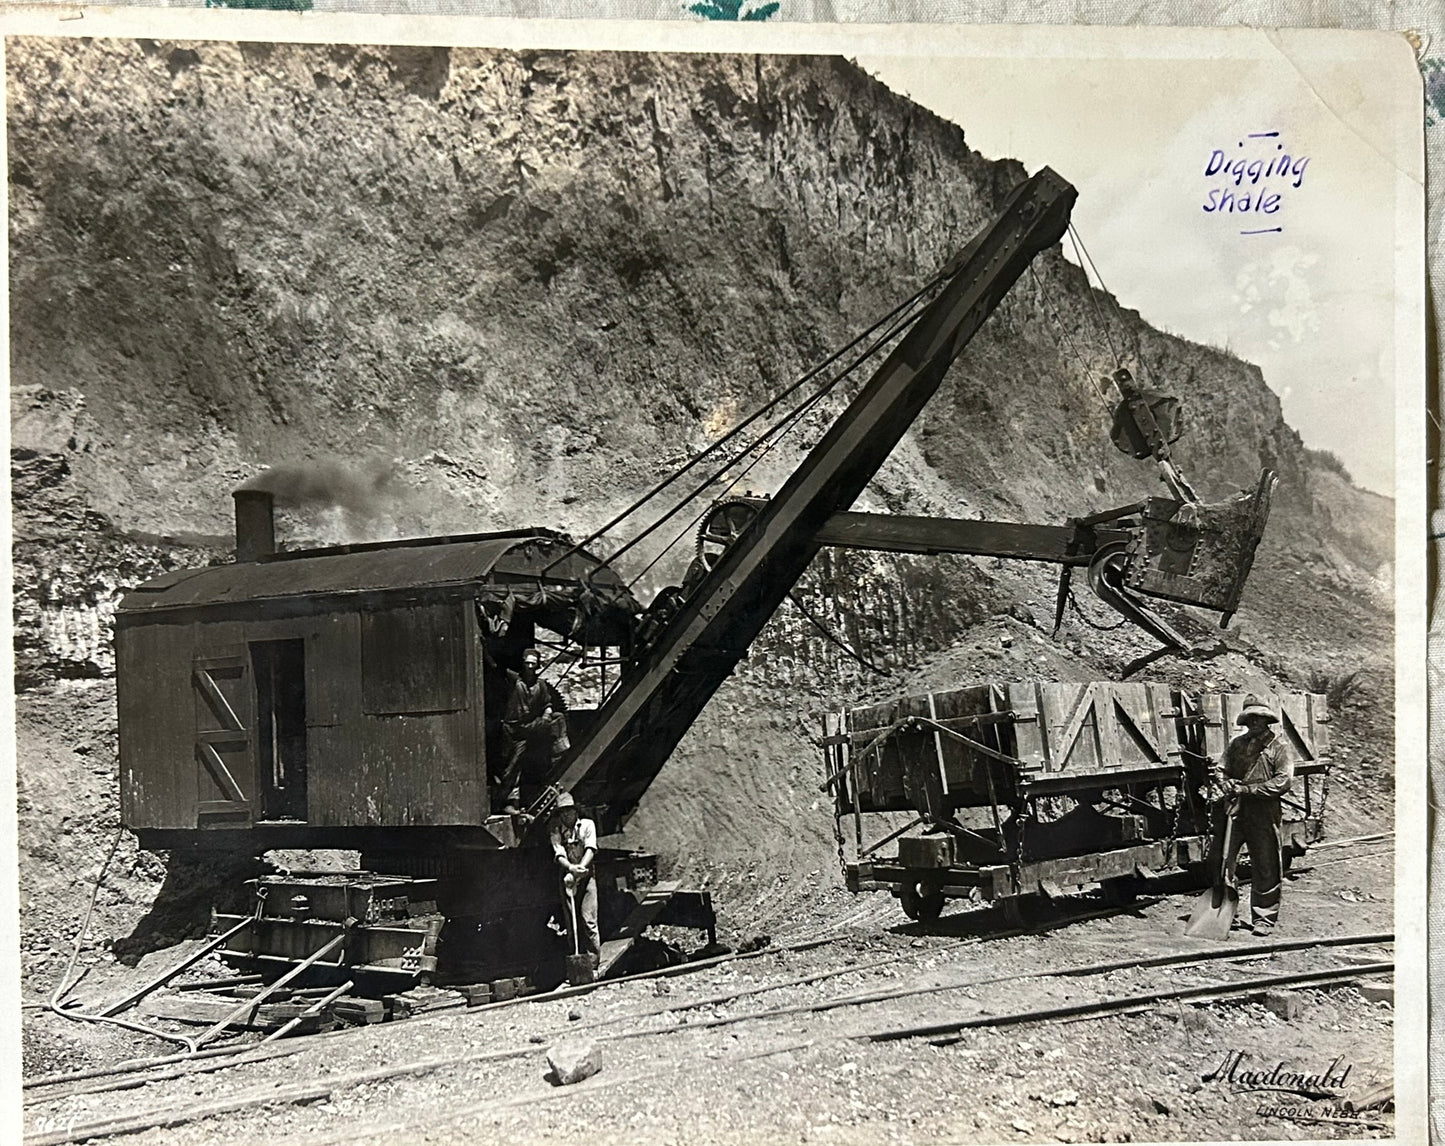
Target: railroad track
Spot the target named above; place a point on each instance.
(45, 1090)
(138, 1072)
(644, 1027)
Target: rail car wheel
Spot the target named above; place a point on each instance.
(921, 902)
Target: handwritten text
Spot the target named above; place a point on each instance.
(1253, 178)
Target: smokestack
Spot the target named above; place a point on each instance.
(255, 524)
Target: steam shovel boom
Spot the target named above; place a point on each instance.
(678, 673)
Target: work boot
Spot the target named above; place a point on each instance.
(1263, 928)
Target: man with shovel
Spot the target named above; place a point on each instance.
(1253, 778)
(574, 843)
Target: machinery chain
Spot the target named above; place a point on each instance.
(1324, 800)
(838, 791)
(838, 835)
(1171, 849)
(1020, 854)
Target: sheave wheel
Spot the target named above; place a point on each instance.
(923, 904)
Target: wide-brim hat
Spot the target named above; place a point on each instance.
(1254, 708)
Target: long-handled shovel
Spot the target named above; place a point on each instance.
(579, 966)
(1215, 909)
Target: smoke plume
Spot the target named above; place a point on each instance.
(366, 490)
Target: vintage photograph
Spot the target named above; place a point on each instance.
(693, 596)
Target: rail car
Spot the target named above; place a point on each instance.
(1025, 789)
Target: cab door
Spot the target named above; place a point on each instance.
(225, 757)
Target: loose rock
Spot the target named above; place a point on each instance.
(572, 1060)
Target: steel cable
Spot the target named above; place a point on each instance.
(771, 404)
(781, 428)
(1066, 342)
(1093, 295)
(65, 986)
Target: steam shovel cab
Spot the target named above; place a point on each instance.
(351, 698)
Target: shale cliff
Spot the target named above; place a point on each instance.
(517, 288)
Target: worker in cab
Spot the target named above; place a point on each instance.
(1253, 778)
(534, 731)
(574, 844)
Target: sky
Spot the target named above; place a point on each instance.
(1310, 298)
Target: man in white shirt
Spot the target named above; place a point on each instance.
(574, 842)
(1253, 778)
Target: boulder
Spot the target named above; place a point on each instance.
(572, 1060)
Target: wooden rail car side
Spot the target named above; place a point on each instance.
(1001, 791)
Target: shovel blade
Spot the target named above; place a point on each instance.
(1213, 913)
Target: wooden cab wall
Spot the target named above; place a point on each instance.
(350, 717)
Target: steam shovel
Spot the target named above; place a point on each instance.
(1215, 909)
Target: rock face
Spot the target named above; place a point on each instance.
(521, 287)
(71, 564)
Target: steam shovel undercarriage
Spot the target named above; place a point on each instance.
(488, 920)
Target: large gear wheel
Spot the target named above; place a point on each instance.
(724, 523)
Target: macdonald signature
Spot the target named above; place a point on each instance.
(1314, 1093)
(1280, 1077)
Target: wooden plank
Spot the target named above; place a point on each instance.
(413, 659)
(1030, 746)
(195, 1009)
(230, 790)
(1319, 720)
(902, 533)
(360, 1011)
(1216, 728)
(1107, 737)
(1294, 731)
(613, 950)
(1135, 725)
(472, 764)
(223, 758)
(334, 724)
(333, 668)
(647, 909)
(938, 744)
(1061, 746)
(154, 706)
(958, 709)
(225, 716)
